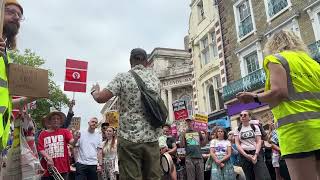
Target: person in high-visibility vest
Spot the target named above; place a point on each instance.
(13, 15)
(293, 92)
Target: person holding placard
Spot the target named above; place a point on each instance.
(13, 15)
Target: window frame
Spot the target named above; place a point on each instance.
(218, 101)
(236, 11)
(205, 50)
(213, 45)
(201, 13)
(256, 46)
(269, 19)
(245, 59)
(314, 14)
(209, 98)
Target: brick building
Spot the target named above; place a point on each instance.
(246, 25)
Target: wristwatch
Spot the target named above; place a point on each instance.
(92, 92)
(256, 99)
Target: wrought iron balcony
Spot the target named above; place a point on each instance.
(315, 50)
(251, 82)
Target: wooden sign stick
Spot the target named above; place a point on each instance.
(2, 6)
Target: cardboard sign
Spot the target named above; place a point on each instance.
(75, 123)
(200, 122)
(28, 81)
(112, 118)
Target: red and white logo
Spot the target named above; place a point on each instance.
(76, 76)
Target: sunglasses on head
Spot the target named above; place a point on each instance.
(243, 115)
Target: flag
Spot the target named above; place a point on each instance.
(29, 106)
(76, 76)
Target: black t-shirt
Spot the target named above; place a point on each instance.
(170, 141)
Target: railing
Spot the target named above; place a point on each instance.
(251, 82)
(245, 27)
(275, 6)
(314, 49)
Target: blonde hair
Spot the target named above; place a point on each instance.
(284, 40)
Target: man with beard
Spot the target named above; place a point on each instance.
(87, 164)
(13, 15)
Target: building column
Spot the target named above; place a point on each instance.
(164, 97)
(171, 115)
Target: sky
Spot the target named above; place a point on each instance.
(101, 32)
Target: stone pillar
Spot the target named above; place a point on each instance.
(170, 109)
(164, 96)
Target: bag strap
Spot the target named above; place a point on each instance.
(138, 80)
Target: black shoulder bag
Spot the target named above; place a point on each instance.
(155, 109)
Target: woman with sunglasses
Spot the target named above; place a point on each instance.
(248, 141)
(292, 90)
(220, 151)
(108, 155)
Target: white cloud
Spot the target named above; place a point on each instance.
(101, 32)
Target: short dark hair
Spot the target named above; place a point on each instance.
(166, 125)
(138, 55)
(104, 124)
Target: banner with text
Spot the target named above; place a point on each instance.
(200, 122)
(180, 110)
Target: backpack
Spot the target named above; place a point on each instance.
(263, 132)
(155, 109)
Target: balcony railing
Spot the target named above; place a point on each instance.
(315, 50)
(251, 82)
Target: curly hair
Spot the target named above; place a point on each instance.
(284, 40)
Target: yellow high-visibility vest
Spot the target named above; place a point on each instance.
(5, 104)
(298, 118)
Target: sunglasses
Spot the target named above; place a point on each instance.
(243, 115)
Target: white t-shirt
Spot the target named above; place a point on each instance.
(220, 146)
(247, 137)
(88, 147)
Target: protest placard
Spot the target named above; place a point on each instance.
(112, 117)
(200, 122)
(180, 110)
(28, 81)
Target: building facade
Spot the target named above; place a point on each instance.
(173, 68)
(205, 43)
(246, 25)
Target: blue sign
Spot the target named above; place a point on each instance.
(221, 122)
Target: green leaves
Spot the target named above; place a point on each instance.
(57, 99)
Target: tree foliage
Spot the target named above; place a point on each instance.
(57, 99)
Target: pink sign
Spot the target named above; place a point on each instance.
(200, 126)
(174, 131)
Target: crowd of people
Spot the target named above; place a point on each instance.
(193, 155)
(140, 150)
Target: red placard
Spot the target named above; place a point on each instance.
(180, 110)
(76, 76)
